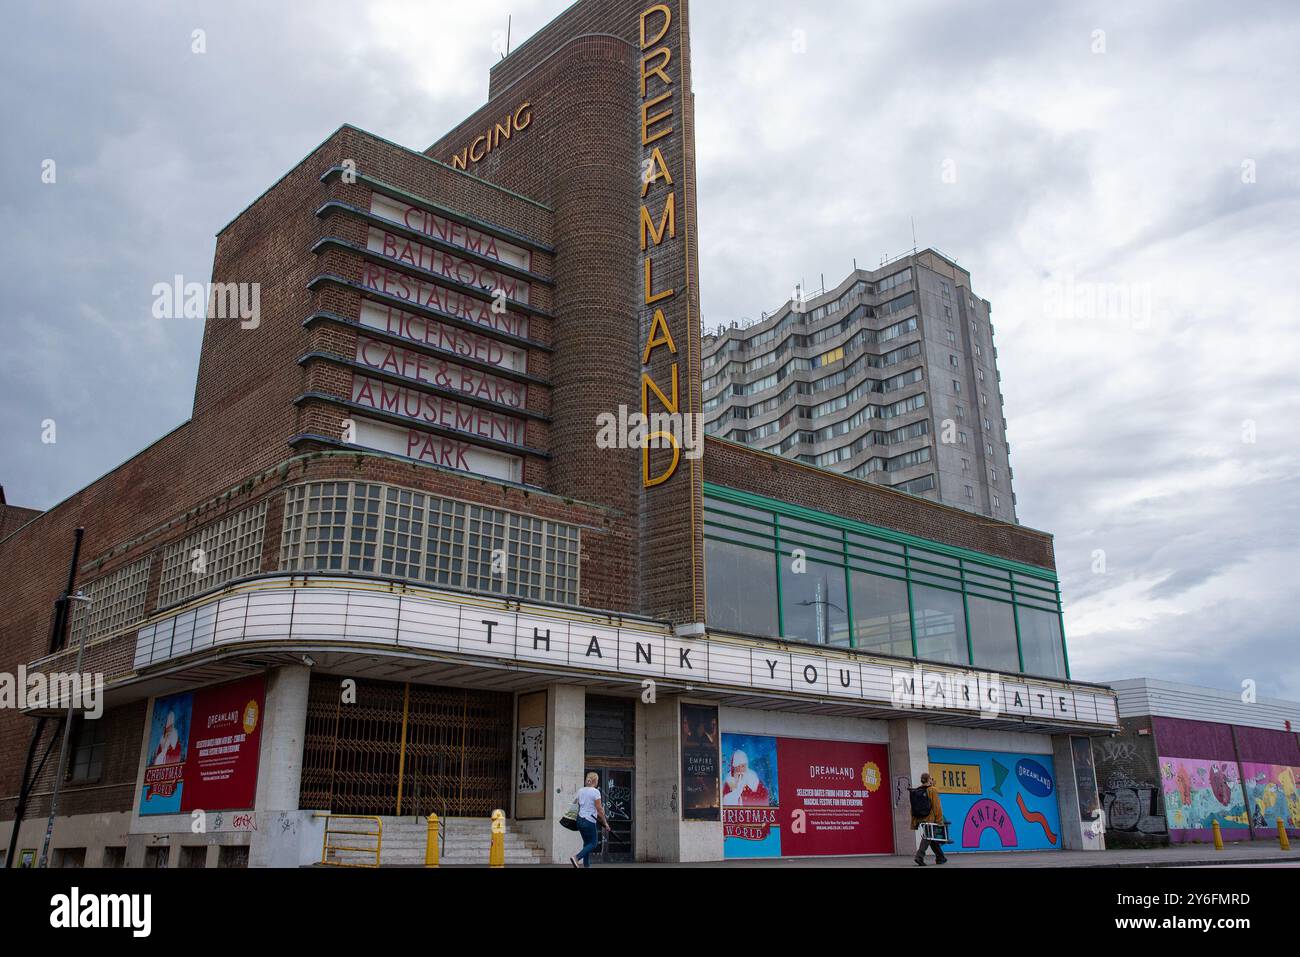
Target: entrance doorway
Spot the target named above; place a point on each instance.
(402, 749)
(611, 753)
(616, 791)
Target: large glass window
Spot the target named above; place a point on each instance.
(741, 588)
(1040, 641)
(881, 622)
(88, 756)
(870, 609)
(940, 624)
(814, 603)
(993, 634)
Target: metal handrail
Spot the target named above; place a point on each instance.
(441, 801)
(326, 846)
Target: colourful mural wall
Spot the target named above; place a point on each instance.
(1272, 796)
(997, 801)
(1200, 791)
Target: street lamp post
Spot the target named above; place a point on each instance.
(65, 746)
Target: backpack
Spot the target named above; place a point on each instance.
(921, 806)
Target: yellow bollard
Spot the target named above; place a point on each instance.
(497, 855)
(1218, 836)
(431, 850)
(1282, 839)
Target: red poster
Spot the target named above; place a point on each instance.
(225, 740)
(834, 798)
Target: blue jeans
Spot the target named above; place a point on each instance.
(590, 840)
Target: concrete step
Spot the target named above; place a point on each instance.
(464, 841)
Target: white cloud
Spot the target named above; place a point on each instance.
(1122, 168)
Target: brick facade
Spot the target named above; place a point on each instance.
(749, 470)
(272, 402)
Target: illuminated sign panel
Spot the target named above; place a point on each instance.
(468, 629)
(440, 373)
(453, 267)
(412, 289)
(410, 401)
(436, 450)
(438, 227)
(430, 332)
(435, 410)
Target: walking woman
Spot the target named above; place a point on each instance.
(591, 814)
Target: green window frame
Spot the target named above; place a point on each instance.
(778, 528)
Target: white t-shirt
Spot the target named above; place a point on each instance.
(587, 798)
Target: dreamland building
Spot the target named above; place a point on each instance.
(386, 570)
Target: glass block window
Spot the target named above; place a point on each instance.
(363, 537)
(315, 527)
(116, 602)
(404, 539)
(445, 551)
(223, 551)
(561, 564)
(404, 534)
(484, 542)
(527, 537)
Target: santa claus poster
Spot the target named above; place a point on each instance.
(751, 806)
(169, 742)
(203, 749)
(790, 797)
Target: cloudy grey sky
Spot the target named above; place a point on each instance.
(1156, 162)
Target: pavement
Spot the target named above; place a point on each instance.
(1257, 854)
(1181, 855)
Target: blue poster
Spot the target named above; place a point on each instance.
(169, 741)
(997, 801)
(750, 797)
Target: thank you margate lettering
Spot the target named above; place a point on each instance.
(659, 241)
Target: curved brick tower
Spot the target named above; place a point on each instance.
(597, 122)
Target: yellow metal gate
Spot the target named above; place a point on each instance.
(406, 749)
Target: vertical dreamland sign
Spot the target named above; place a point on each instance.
(790, 797)
(203, 750)
(668, 298)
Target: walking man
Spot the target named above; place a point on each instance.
(927, 809)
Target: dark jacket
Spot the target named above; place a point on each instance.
(936, 809)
